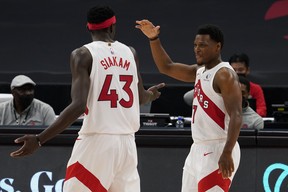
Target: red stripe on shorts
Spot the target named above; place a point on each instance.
(85, 176)
(214, 179)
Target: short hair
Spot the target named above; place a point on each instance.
(241, 57)
(213, 31)
(99, 14)
(243, 80)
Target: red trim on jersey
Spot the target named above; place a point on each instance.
(85, 176)
(86, 111)
(213, 111)
(214, 179)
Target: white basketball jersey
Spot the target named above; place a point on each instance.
(209, 118)
(113, 100)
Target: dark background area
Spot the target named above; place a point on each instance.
(37, 38)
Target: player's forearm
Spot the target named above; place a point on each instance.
(146, 97)
(233, 133)
(66, 118)
(161, 58)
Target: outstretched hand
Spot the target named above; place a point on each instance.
(155, 90)
(30, 145)
(148, 28)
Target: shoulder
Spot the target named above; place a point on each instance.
(128, 48)
(81, 57)
(41, 104)
(255, 85)
(81, 52)
(42, 107)
(253, 113)
(225, 73)
(226, 79)
(6, 104)
(125, 46)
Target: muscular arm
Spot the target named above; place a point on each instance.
(180, 71)
(226, 83)
(80, 64)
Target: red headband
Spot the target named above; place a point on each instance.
(105, 24)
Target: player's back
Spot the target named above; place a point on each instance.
(113, 100)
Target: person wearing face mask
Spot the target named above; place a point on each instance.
(23, 109)
(240, 63)
(250, 119)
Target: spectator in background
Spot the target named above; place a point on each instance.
(240, 63)
(188, 97)
(23, 108)
(250, 119)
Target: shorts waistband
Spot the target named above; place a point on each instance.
(211, 141)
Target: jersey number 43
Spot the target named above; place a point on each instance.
(108, 94)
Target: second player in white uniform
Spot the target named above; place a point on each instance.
(209, 132)
(216, 120)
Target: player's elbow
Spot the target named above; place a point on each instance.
(237, 117)
(164, 71)
(79, 107)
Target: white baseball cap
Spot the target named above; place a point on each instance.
(21, 80)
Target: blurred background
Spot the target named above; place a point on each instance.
(37, 38)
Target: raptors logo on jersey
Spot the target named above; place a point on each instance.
(209, 112)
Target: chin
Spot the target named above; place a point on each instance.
(200, 63)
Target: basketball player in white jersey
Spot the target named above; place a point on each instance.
(216, 120)
(107, 88)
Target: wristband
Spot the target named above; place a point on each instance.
(154, 38)
(38, 141)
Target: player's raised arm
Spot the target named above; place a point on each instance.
(165, 64)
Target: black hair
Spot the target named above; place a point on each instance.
(99, 14)
(243, 80)
(241, 57)
(213, 31)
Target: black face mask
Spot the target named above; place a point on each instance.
(241, 74)
(244, 102)
(26, 100)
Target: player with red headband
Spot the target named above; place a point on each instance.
(102, 25)
(107, 88)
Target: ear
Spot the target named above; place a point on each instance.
(219, 46)
(111, 29)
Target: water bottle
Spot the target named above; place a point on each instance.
(180, 122)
